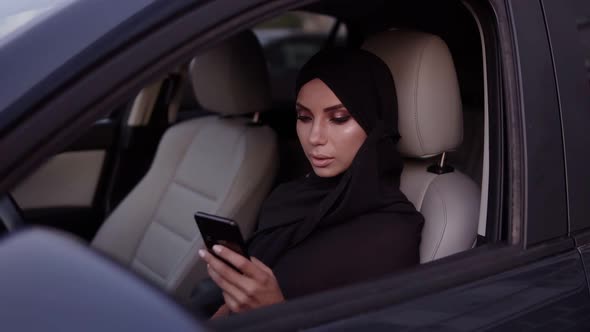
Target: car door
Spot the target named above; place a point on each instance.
(530, 263)
(568, 26)
(66, 192)
(76, 189)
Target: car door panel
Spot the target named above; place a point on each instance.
(585, 252)
(568, 28)
(68, 179)
(68, 190)
(543, 145)
(552, 292)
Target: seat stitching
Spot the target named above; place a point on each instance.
(440, 196)
(137, 260)
(196, 130)
(193, 190)
(174, 278)
(176, 272)
(168, 228)
(418, 70)
(241, 137)
(423, 193)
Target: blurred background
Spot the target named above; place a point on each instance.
(290, 40)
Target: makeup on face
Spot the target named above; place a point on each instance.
(329, 135)
(337, 114)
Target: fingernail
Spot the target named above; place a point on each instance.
(217, 248)
(202, 253)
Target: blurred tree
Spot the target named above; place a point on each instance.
(289, 20)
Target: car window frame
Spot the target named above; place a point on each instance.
(154, 49)
(573, 89)
(43, 77)
(463, 267)
(545, 203)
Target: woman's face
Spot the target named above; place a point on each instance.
(329, 135)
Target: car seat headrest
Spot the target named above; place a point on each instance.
(429, 102)
(232, 78)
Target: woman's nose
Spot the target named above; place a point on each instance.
(317, 135)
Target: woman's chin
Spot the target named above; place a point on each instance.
(326, 172)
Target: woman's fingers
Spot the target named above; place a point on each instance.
(235, 292)
(222, 268)
(222, 311)
(233, 305)
(255, 288)
(261, 265)
(229, 276)
(235, 299)
(240, 262)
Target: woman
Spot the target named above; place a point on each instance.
(347, 221)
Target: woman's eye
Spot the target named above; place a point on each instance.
(340, 119)
(303, 118)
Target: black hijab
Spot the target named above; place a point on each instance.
(369, 187)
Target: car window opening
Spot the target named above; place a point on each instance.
(190, 93)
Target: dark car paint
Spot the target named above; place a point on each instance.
(50, 282)
(574, 104)
(490, 304)
(456, 278)
(429, 279)
(541, 122)
(74, 45)
(58, 39)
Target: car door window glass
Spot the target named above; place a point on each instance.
(289, 41)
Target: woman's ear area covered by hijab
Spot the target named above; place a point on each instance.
(329, 135)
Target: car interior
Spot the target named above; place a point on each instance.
(217, 134)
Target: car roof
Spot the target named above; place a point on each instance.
(77, 36)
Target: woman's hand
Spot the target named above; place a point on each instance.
(222, 311)
(256, 287)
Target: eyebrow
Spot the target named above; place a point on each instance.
(327, 109)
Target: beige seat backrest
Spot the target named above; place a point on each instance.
(430, 124)
(217, 164)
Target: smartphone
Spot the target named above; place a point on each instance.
(218, 230)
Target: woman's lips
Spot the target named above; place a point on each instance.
(321, 161)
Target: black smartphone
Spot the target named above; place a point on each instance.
(218, 230)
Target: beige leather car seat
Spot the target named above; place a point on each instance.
(430, 124)
(222, 164)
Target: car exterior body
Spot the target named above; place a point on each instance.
(73, 67)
